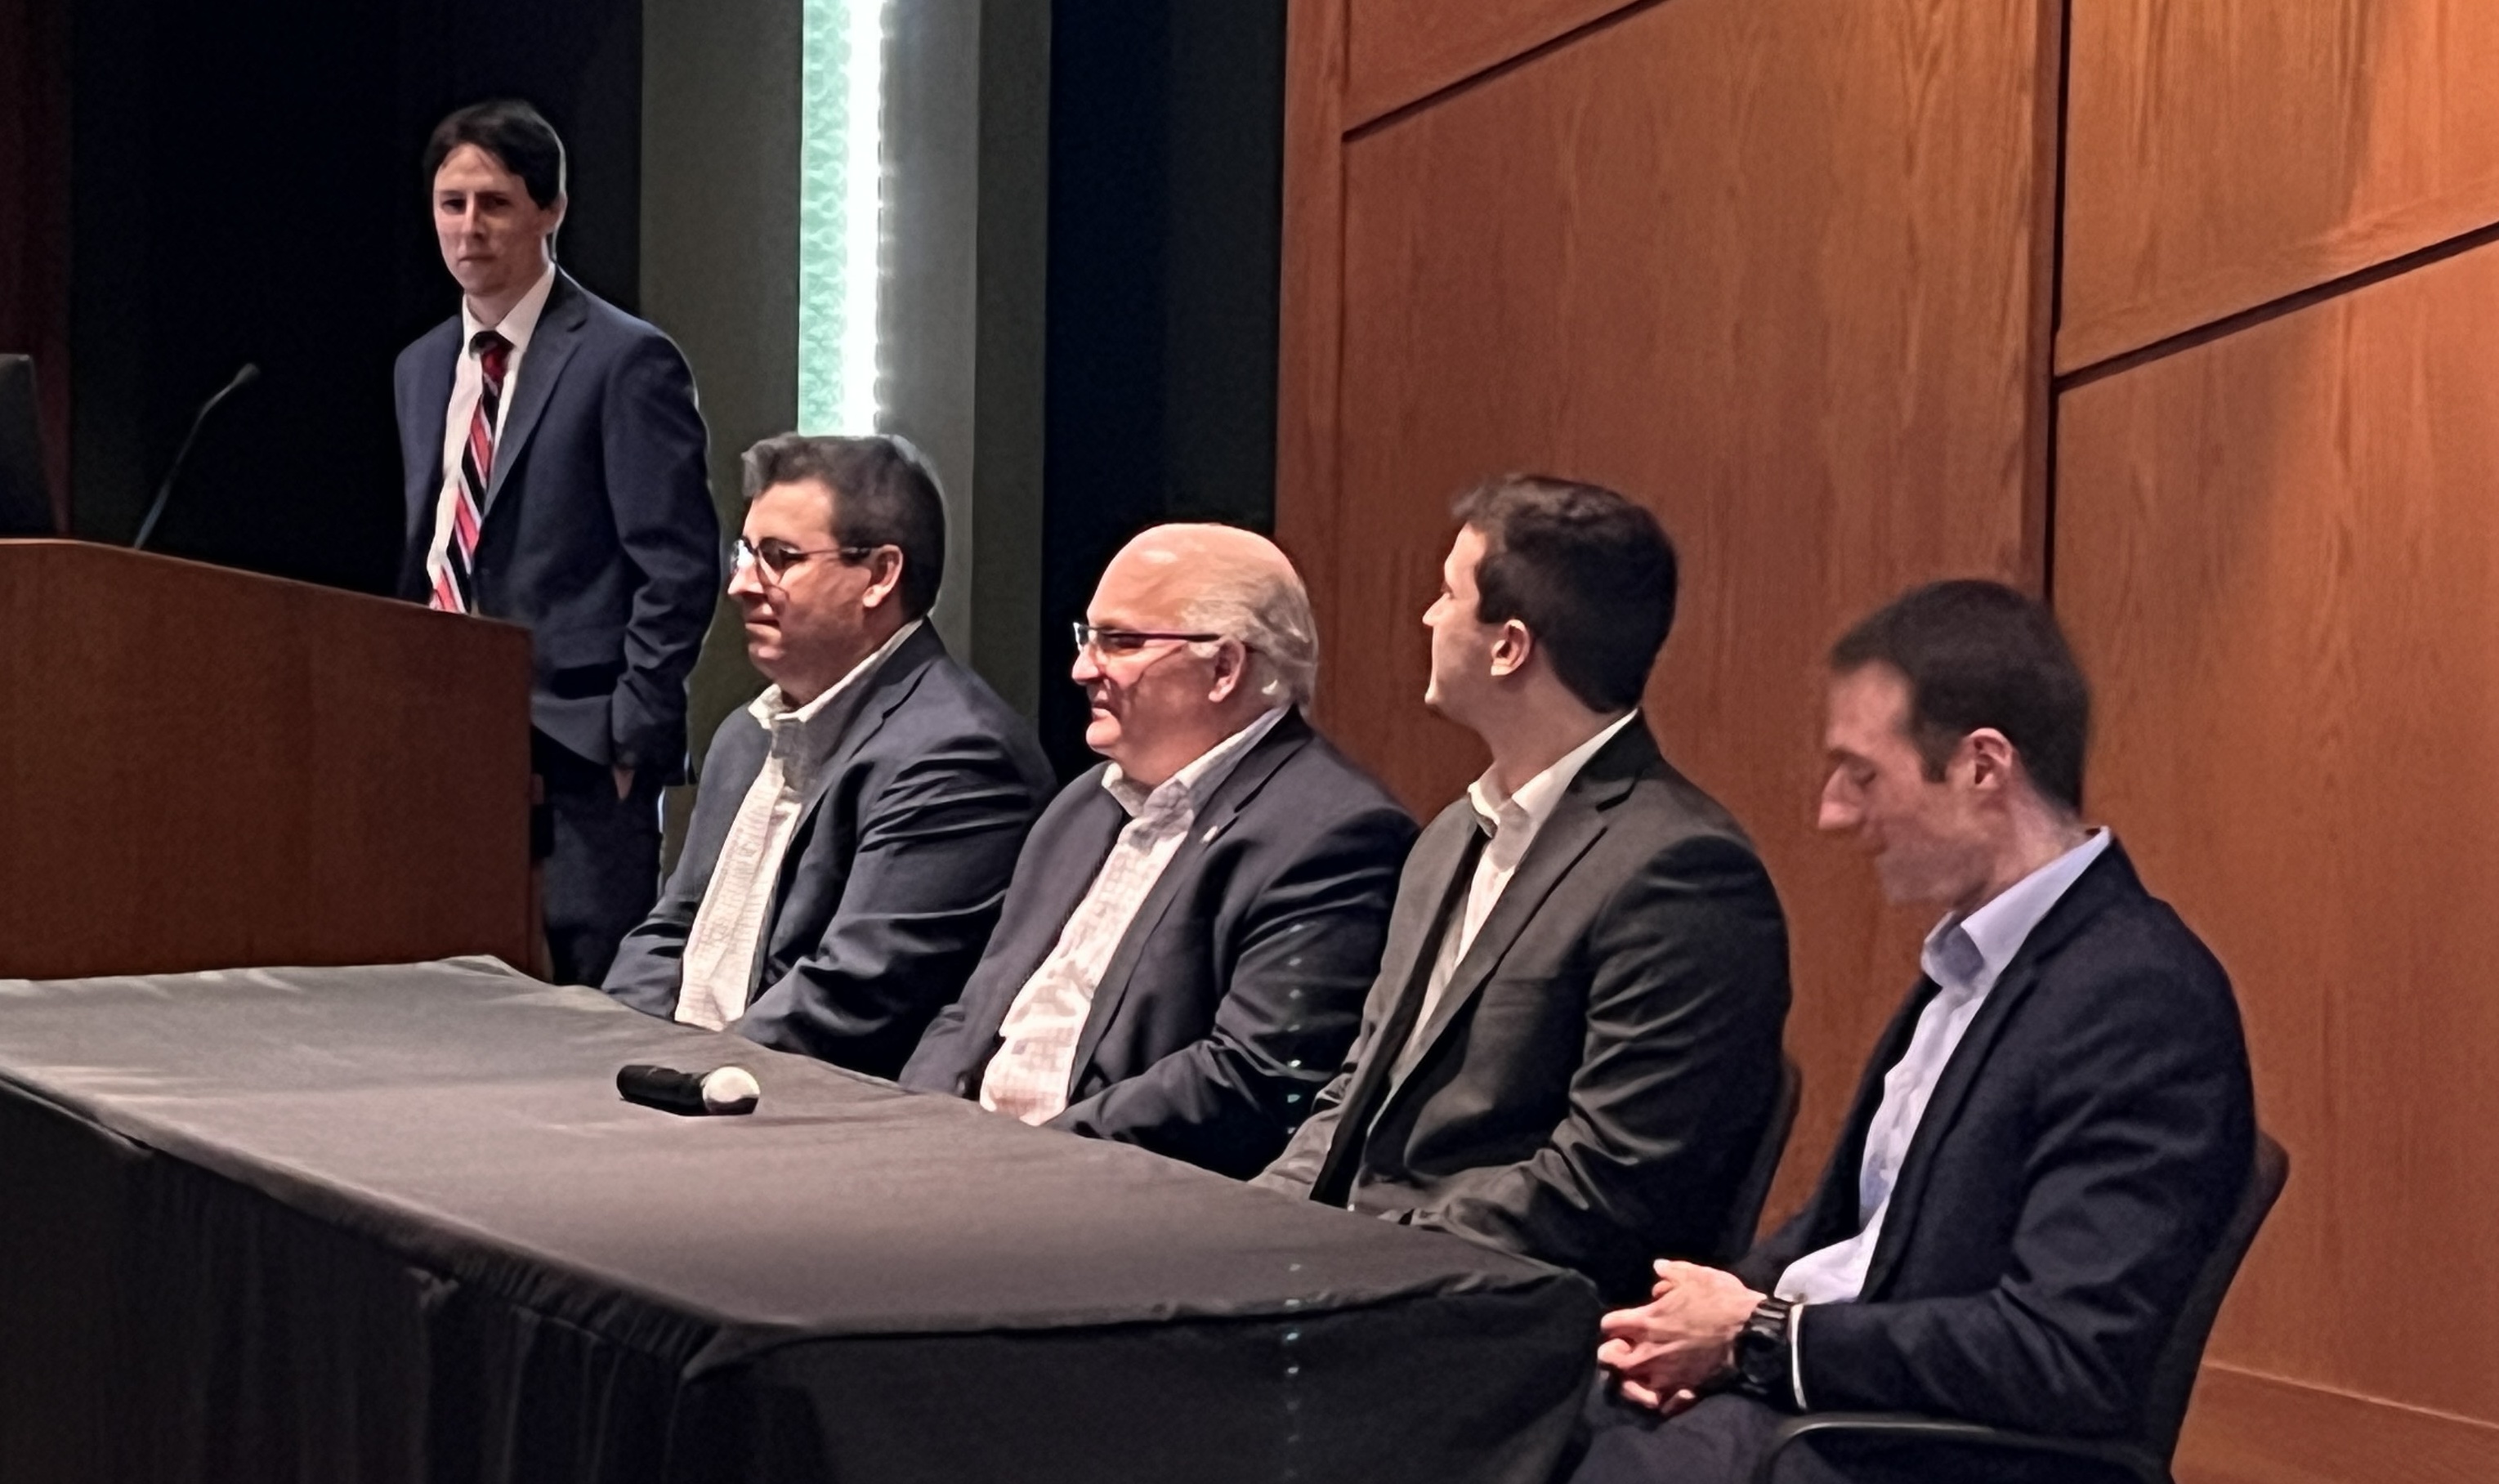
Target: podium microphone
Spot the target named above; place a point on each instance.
(720, 1090)
(244, 377)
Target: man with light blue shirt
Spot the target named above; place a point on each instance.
(2050, 1139)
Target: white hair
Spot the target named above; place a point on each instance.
(1267, 611)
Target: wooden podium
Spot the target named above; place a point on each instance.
(207, 769)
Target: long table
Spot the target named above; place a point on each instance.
(394, 1224)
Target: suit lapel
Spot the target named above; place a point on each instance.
(881, 692)
(1289, 736)
(551, 344)
(1577, 822)
(2108, 878)
(1440, 869)
(436, 371)
(1065, 872)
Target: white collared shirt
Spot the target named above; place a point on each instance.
(1513, 822)
(1028, 1076)
(468, 385)
(728, 933)
(1964, 955)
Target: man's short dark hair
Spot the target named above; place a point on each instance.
(885, 494)
(1590, 574)
(1979, 653)
(518, 137)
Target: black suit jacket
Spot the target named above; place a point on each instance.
(598, 534)
(1594, 1079)
(894, 875)
(2076, 1162)
(1239, 982)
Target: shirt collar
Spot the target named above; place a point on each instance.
(1537, 798)
(517, 326)
(816, 729)
(1968, 953)
(1200, 778)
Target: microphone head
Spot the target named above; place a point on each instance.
(731, 1090)
(250, 374)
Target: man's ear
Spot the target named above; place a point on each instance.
(1511, 648)
(1231, 669)
(1994, 763)
(884, 576)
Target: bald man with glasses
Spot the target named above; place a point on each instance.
(855, 827)
(1182, 959)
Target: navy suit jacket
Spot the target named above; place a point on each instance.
(1594, 1080)
(2074, 1167)
(893, 874)
(1239, 984)
(598, 534)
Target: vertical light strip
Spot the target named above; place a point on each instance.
(840, 211)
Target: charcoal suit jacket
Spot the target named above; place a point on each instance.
(2077, 1161)
(1592, 1083)
(892, 877)
(598, 535)
(1237, 986)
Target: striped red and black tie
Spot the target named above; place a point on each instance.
(455, 586)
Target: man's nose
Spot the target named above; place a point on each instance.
(1084, 672)
(744, 583)
(1838, 812)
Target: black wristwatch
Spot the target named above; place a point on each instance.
(1762, 1355)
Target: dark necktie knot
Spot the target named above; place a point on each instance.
(494, 354)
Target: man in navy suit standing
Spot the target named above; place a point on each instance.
(554, 460)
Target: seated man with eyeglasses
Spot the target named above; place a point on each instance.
(1182, 959)
(855, 827)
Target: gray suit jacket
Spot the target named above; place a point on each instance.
(893, 878)
(1592, 1083)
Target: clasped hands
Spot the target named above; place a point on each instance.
(1663, 1351)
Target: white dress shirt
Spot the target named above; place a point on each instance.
(1028, 1076)
(468, 385)
(728, 933)
(1513, 822)
(1964, 955)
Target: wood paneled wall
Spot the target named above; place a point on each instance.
(1684, 254)
(1779, 269)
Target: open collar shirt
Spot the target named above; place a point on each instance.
(727, 931)
(1028, 1078)
(1965, 956)
(1513, 821)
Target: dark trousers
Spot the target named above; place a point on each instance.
(599, 854)
(1721, 1440)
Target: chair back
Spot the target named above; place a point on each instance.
(2173, 1373)
(1744, 1215)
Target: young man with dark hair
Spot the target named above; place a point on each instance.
(856, 825)
(1571, 1048)
(554, 461)
(2046, 1146)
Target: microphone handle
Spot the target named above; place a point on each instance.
(165, 491)
(662, 1087)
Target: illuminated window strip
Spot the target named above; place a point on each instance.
(841, 207)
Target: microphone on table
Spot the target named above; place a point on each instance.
(720, 1090)
(244, 377)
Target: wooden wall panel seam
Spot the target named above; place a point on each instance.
(2299, 268)
(1369, 110)
(2275, 309)
(1310, 360)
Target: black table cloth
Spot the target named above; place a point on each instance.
(394, 1224)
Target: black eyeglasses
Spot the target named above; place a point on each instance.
(1117, 642)
(776, 558)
